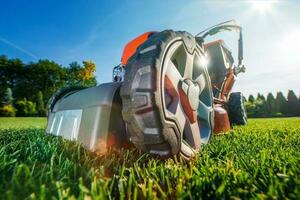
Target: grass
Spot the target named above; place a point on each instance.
(22, 122)
(259, 161)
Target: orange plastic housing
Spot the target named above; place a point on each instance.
(206, 45)
(221, 118)
(131, 46)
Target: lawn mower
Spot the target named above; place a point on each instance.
(168, 96)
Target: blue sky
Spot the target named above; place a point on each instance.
(66, 31)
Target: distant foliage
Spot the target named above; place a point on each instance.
(81, 75)
(40, 107)
(270, 104)
(292, 104)
(26, 108)
(37, 81)
(251, 98)
(86, 74)
(281, 103)
(7, 97)
(6, 105)
(7, 111)
(273, 107)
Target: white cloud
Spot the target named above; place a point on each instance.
(15, 46)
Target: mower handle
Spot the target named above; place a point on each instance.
(226, 26)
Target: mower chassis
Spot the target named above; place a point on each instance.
(90, 116)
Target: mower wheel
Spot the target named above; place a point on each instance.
(167, 96)
(236, 107)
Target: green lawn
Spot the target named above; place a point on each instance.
(22, 122)
(261, 160)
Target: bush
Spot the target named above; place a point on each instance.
(26, 108)
(8, 111)
(278, 115)
(40, 105)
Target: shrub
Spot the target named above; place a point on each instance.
(8, 111)
(40, 105)
(26, 108)
(278, 115)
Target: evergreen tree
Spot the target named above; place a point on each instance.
(251, 98)
(250, 107)
(280, 103)
(6, 107)
(271, 104)
(7, 97)
(40, 105)
(260, 106)
(261, 97)
(298, 111)
(292, 103)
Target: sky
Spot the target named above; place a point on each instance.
(67, 31)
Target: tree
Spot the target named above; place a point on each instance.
(270, 104)
(260, 96)
(11, 72)
(26, 108)
(7, 97)
(81, 75)
(260, 106)
(3, 76)
(292, 103)
(40, 105)
(7, 111)
(45, 76)
(280, 103)
(251, 98)
(6, 107)
(86, 74)
(73, 73)
(298, 111)
(250, 107)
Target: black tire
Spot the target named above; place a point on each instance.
(143, 107)
(237, 111)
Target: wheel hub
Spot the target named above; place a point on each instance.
(189, 94)
(187, 97)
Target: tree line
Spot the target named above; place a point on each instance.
(25, 88)
(271, 106)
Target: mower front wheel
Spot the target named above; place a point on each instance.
(167, 97)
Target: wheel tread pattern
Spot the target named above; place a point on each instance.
(141, 96)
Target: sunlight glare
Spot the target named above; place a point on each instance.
(263, 6)
(204, 60)
(288, 47)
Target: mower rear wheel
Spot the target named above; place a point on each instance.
(167, 96)
(237, 110)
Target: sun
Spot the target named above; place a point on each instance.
(263, 6)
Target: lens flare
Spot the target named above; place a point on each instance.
(204, 61)
(263, 6)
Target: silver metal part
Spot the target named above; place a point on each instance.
(239, 69)
(90, 116)
(65, 123)
(118, 73)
